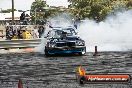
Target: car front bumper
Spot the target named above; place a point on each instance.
(66, 50)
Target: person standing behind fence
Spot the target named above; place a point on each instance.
(7, 31)
(26, 34)
(15, 33)
(20, 31)
(41, 31)
(22, 17)
(77, 22)
(35, 33)
(10, 33)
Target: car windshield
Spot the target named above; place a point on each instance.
(59, 33)
(70, 31)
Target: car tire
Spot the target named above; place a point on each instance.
(46, 52)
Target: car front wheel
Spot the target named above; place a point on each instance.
(46, 52)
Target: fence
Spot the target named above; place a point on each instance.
(2, 33)
(22, 43)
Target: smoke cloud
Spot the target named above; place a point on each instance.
(112, 34)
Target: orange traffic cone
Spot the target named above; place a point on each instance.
(20, 84)
(81, 70)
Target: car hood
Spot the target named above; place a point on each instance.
(72, 38)
(68, 38)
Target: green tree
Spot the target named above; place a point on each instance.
(41, 11)
(38, 10)
(97, 9)
(129, 4)
(89, 8)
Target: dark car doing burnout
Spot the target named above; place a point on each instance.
(64, 41)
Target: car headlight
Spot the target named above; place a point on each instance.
(80, 43)
(52, 45)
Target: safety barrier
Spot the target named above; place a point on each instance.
(21, 43)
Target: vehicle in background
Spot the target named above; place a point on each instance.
(64, 41)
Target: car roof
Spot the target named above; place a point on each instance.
(56, 28)
(61, 28)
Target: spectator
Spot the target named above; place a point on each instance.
(77, 22)
(15, 34)
(20, 31)
(10, 33)
(26, 34)
(35, 32)
(41, 31)
(22, 17)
